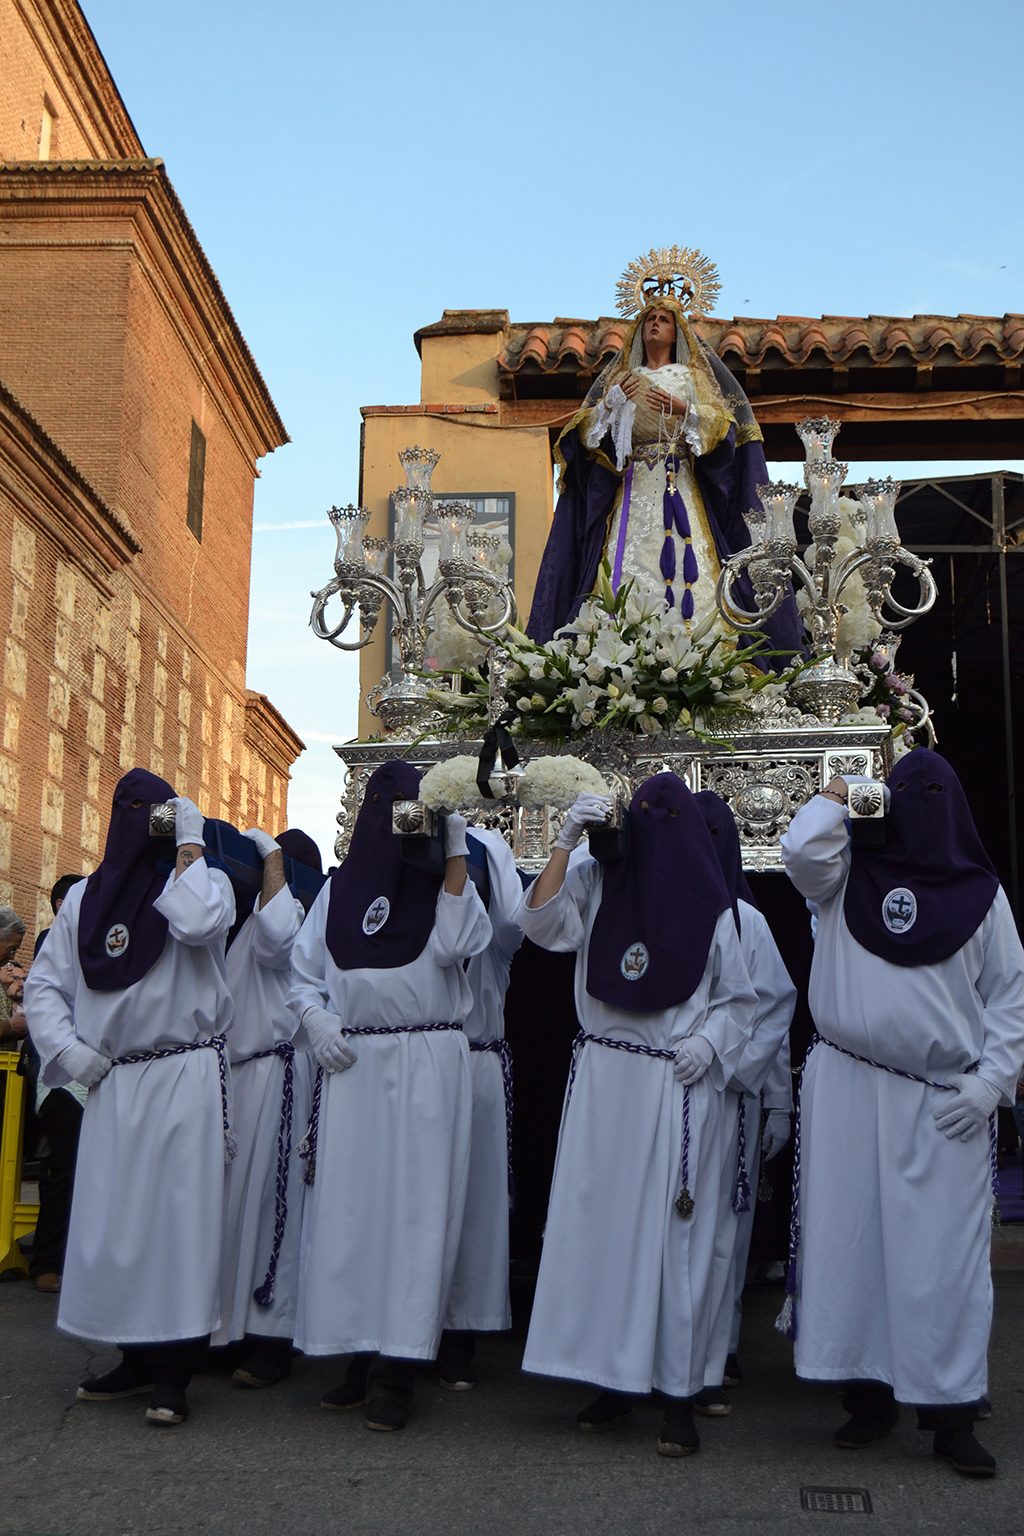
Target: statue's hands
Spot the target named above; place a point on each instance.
(630, 385)
(669, 405)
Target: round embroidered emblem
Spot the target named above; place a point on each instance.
(377, 914)
(116, 941)
(899, 910)
(635, 962)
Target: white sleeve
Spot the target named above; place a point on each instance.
(615, 414)
(309, 960)
(50, 992)
(778, 1085)
(461, 926)
(560, 924)
(776, 1000)
(816, 849)
(1001, 989)
(506, 903)
(199, 905)
(274, 930)
(732, 1002)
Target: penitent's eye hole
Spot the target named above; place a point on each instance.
(673, 810)
(645, 805)
(935, 789)
(901, 785)
(374, 798)
(136, 804)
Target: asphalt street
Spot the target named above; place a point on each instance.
(505, 1458)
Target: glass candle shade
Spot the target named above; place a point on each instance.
(454, 520)
(349, 523)
(411, 507)
(878, 499)
(817, 433)
(419, 464)
(377, 551)
(778, 500)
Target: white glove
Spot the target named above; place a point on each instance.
(775, 1134)
(188, 821)
(587, 810)
(455, 845)
(264, 842)
(83, 1064)
(692, 1059)
(323, 1031)
(967, 1110)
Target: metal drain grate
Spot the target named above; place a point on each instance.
(836, 1501)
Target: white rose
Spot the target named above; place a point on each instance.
(537, 670)
(669, 675)
(659, 705)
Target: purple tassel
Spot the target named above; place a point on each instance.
(667, 561)
(686, 606)
(690, 571)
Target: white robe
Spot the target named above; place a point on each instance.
(144, 1237)
(258, 968)
(764, 1064)
(382, 1221)
(479, 1297)
(626, 1290)
(893, 1276)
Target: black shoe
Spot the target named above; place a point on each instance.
(168, 1405)
(962, 1451)
(352, 1392)
(859, 1432)
(678, 1435)
(455, 1370)
(123, 1381)
(984, 1409)
(712, 1403)
(390, 1385)
(733, 1375)
(607, 1410)
(263, 1368)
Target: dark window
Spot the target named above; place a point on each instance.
(196, 482)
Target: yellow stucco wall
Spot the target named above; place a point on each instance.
(478, 456)
(460, 370)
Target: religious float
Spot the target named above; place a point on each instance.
(509, 728)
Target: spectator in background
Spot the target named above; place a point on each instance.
(59, 1117)
(12, 931)
(57, 894)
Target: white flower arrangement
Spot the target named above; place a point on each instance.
(626, 662)
(452, 786)
(557, 781)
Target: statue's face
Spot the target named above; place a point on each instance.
(660, 326)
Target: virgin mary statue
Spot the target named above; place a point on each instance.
(657, 468)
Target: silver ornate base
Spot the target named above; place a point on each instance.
(765, 773)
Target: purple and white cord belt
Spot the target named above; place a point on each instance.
(503, 1051)
(786, 1322)
(215, 1042)
(307, 1146)
(684, 1200)
(741, 1193)
(263, 1295)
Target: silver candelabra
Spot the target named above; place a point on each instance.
(362, 580)
(828, 688)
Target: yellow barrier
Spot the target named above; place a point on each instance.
(17, 1217)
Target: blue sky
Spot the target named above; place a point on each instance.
(353, 170)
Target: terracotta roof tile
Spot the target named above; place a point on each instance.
(745, 342)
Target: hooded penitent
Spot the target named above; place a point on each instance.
(921, 897)
(721, 825)
(660, 905)
(121, 935)
(381, 910)
(300, 848)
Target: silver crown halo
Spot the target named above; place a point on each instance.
(669, 271)
(417, 457)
